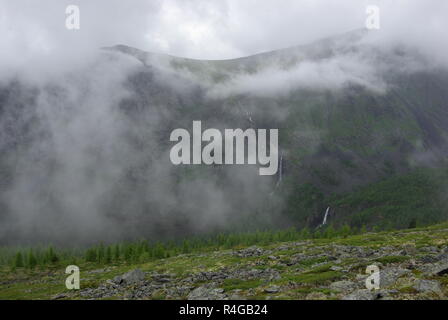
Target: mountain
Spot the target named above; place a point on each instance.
(362, 130)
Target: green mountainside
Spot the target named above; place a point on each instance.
(353, 149)
(362, 130)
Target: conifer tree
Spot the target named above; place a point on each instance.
(116, 252)
(32, 261)
(18, 261)
(108, 256)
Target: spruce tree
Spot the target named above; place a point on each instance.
(32, 262)
(117, 252)
(108, 256)
(18, 261)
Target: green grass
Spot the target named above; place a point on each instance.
(312, 261)
(232, 284)
(312, 277)
(392, 259)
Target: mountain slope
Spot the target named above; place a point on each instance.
(413, 265)
(88, 152)
(334, 140)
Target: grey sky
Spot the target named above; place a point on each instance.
(207, 29)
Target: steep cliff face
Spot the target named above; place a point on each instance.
(87, 153)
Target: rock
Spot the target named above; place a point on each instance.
(443, 257)
(409, 249)
(428, 286)
(361, 277)
(405, 282)
(111, 282)
(442, 269)
(59, 296)
(209, 276)
(283, 247)
(316, 296)
(251, 292)
(253, 251)
(430, 249)
(272, 289)
(336, 268)
(162, 278)
(179, 291)
(438, 269)
(133, 276)
(243, 274)
(428, 259)
(236, 297)
(389, 276)
(363, 294)
(97, 271)
(344, 285)
(205, 293)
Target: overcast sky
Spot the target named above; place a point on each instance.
(206, 29)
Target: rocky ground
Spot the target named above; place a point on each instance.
(413, 264)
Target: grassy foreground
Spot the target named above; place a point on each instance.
(411, 263)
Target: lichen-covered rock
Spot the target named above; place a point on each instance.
(205, 293)
(133, 276)
(363, 294)
(428, 286)
(251, 252)
(272, 289)
(389, 276)
(344, 286)
(316, 296)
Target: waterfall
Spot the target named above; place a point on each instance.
(249, 117)
(280, 174)
(324, 222)
(280, 171)
(325, 216)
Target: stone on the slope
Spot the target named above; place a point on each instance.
(438, 269)
(272, 289)
(389, 276)
(59, 296)
(336, 268)
(133, 276)
(343, 285)
(363, 294)
(409, 249)
(162, 278)
(205, 293)
(435, 265)
(316, 296)
(253, 251)
(236, 297)
(428, 286)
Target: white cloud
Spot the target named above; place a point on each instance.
(212, 29)
(329, 74)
